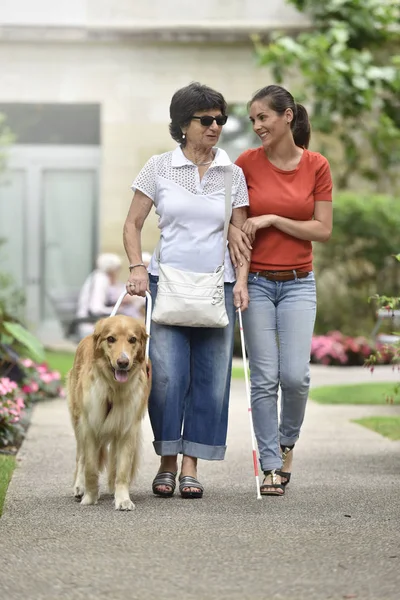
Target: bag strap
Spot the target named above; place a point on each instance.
(228, 173)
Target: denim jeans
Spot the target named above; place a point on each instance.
(278, 328)
(191, 367)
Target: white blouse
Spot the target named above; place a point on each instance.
(94, 295)
(191, 212)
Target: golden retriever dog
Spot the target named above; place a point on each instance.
(108, 388)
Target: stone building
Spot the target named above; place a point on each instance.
(86, 86)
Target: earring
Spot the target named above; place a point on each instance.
(183, 136)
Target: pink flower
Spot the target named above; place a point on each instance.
(27, 362)
(20, 403)
(42, 369)
(30, 388)
(7, 386)
(46, 377)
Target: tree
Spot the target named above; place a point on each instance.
(349, 63)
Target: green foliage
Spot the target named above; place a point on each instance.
(365, 227)
(12, 298)
(390, 303)
(12, 333)
(357, 262)
(349, 63)
(23, 340)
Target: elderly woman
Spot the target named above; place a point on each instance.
(191, 366)
(95, 299)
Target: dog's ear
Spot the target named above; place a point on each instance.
(97, 334)
(142, 337)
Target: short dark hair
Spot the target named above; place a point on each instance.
(187, 101)
(279, 99)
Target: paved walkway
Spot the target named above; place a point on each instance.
(334, 535)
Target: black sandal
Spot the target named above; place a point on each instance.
(285, 451)
(166, 478)
(190, 482)
(265, 488)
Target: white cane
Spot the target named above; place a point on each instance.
(246, 379)
(148, 316)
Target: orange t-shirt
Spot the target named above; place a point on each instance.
(290, 194)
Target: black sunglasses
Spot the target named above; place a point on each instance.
(208, 120)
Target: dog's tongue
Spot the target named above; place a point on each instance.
(121, 376)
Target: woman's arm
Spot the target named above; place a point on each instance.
(239, 244)
(318, 229)
(138, 212)
(240, 292)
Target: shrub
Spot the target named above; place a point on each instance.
(40, 382)
(390, 303)
(335, 348)
(357, 262)
(12, 403)
(35, 383)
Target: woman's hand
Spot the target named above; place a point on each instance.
(138, 282)
(239, 246)
(252, 225)
(241, 295)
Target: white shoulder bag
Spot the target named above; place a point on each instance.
(190, 299)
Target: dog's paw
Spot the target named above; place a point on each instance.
(89, 499)
(126, 504)
(79, 492)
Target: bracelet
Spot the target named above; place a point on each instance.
(138, 265)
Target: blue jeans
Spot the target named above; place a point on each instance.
(188, 404)
(278, 328)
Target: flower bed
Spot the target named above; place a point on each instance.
(38, 383)
(334, 348)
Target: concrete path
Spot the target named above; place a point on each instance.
(335, 534)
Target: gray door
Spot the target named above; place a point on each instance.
(12, 222)
(68, 247)
(48, 216)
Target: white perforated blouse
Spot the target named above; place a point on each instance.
(191, 212)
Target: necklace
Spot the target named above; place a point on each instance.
(201, 164)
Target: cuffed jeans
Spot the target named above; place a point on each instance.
(278, 328)
(191, 374)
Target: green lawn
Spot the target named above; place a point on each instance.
(238, 373)
(387, 426)
(364, 393)
(60, 361)
(7, 465)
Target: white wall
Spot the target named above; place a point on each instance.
(128, 13)
(43, 12)
(134, 85)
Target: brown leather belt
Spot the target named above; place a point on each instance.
(282, 275)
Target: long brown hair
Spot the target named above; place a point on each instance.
(279, 100)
